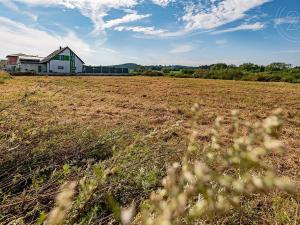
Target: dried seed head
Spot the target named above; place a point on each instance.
(127, 215)
(63, 204)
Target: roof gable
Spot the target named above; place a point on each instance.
(56, 52)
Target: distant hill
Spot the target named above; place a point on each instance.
(134, 66)
(131, 66)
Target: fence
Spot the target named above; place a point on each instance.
(104, 70)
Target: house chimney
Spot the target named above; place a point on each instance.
(60, 47)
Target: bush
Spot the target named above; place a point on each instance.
(201, 73)
(152, 73)
(183, 75)
(228, 74)
(266, 77)
(233, 74)
(188, 71)
(275, 72)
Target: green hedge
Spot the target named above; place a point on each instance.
(288, 75)
(152, 73)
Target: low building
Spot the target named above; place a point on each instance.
(22, 63)
(61, 61)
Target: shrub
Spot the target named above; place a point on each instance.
(201, 73)
(152, 73)
(276, 72)
(268, 77)
(233, 74)
(183, 75)
(228, 74)
(188, 71)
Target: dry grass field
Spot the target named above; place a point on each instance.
(53, 128)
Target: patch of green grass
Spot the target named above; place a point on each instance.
(285, 210)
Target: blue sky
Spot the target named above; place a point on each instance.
(189, 32)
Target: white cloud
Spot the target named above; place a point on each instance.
(16, 37)
(150, 31)
(144, 30)
(163, 3)
(96, 10)
(12, 6)
(126, 19)
(286, 20)
(206, 15)
(9, 4)
(217, 13)
(181, 49)
(253, 27)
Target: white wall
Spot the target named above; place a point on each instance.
(28, 67)
(79, 65)
(53, 65)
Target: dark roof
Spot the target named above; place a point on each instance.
(53, 54)
(21, 54)
(29, 61)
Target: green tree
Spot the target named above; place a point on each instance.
(219, 66)
(278, 66)
(249, 67)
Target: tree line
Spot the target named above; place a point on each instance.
(274, 72)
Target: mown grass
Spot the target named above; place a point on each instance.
(55, 129)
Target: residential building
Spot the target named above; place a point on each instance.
(23, 63)
(61, 61)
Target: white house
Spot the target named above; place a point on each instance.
(61, 61)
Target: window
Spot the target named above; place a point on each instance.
(60, 67)
(62, 57)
